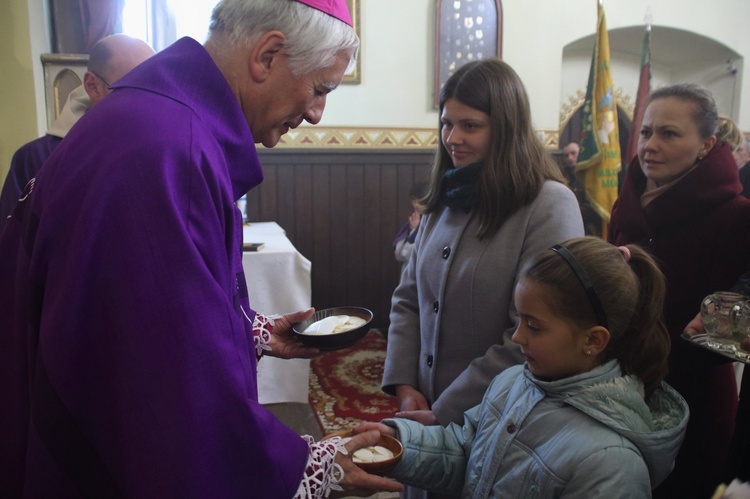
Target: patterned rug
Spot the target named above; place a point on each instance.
(345, 385)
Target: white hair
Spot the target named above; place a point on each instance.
(313, 37)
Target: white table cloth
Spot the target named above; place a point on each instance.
(278, 281)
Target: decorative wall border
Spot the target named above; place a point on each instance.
(550, 138)
(384, 138)
(359, 138)
(332, 138)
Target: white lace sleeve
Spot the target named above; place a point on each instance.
(322, 474)
(262, 326)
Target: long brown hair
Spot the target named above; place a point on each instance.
(517, 163)
(631, 293)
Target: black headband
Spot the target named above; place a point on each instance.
(580, 272)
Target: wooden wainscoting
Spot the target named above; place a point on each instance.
(341, 210)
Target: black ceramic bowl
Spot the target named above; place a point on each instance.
(334, 341)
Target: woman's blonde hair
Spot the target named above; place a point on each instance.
(729, 133)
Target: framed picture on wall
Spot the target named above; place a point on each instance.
(467, 30)
(354, 75)
(62, 74)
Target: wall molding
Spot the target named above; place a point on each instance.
(383, 139)
(320, 137)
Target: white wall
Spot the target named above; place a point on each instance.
(714, 77)
(398, 47)
(722, 20)
(398, 53)
(40, 43)
(397, 69)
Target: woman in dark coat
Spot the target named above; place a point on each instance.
(681, 201)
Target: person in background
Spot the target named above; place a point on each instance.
(110, 59)
(591, 221)
(495, 198)
(742, 158)
(128, 353)
(728, 132)
(587, 415)
(570, 157)
(404, 240)
(683, 187)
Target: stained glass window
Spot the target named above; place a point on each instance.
(467, 30)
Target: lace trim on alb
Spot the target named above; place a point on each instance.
(322, 474)
(262, 327)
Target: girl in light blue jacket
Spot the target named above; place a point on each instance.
(587, 415)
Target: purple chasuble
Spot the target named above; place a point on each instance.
(23, 167)
(127, 367)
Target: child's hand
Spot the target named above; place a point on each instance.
(357, 482)
(427, 418)
(383, 429)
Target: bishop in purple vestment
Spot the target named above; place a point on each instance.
(128, 348)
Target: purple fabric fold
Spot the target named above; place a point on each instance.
(119, 284)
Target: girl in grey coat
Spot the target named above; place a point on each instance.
(587, 415)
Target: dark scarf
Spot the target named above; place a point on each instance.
(460, 187)
(713, 182)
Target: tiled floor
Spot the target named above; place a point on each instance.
(300, 418)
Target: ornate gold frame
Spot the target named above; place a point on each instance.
(354, 76)
(62, 73)
(569, 108)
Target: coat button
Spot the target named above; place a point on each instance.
(446, 253)
(436, 306)
(429, 360)
(511, 428)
